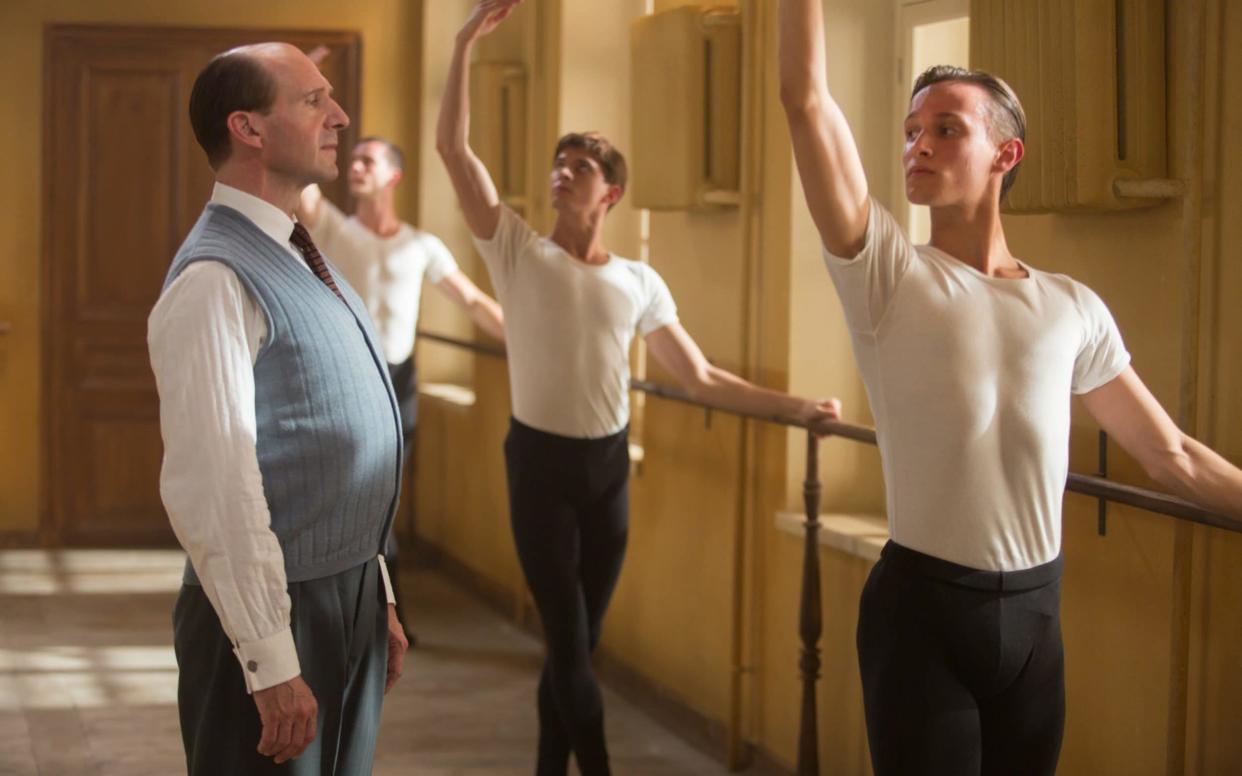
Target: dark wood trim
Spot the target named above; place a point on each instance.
(20, 540)
(810, 617)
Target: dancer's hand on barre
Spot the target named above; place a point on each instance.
(673, 348)
(816, 411)
(485, 17)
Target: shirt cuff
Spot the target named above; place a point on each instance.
(388, 594)
(268, 662)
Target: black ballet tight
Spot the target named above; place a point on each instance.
(569, 507)
(962, 670)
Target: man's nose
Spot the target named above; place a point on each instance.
(922, 147)
(336, 117)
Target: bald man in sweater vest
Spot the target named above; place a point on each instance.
(282, 445)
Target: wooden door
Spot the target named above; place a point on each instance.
(124, 182)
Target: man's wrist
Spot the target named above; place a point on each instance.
(268, 661)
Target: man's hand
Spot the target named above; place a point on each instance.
(318, 54)
(397, 645)
(289, 714)
(485, 17)
(815, 411)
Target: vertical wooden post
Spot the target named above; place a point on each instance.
(810, 620)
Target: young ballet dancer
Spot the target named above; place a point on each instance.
(571, 309)
(969, 356)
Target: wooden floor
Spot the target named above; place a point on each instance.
(88, 679)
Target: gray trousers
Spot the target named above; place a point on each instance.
(340, 627)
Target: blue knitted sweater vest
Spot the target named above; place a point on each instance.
(329, 432)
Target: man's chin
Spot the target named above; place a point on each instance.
(327, 174)
(919, 196)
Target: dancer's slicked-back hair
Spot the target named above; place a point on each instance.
(1006, 119)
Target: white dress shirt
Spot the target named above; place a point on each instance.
(204, 335)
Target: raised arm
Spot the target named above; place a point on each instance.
(1131, 415)
(475, 190)
(483, 310)
(828, 163)
(677, 352)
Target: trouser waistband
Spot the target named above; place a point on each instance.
(965, 576)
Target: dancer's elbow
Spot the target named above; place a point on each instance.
(449, 149)
(798, 98)
(1172, 466)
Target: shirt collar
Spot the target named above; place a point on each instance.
(271, 220)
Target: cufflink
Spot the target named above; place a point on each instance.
(252, 666)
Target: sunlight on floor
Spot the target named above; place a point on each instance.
(42, 572)
(88, 679)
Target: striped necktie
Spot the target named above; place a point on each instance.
(301, 240)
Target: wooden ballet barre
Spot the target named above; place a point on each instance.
(1085, 484)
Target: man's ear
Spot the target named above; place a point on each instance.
(614, 195)
(396, 178)
(1009, 154)
(242, 127)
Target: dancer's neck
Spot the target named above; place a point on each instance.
(975, 236)
(581, 235)
(378, 213)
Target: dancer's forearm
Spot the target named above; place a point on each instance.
(453, 124)
(675, 350)
(802, 59)
(1197, 473)
(721, 388)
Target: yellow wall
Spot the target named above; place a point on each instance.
(1216, 669)
(438, 213)
(389, 79)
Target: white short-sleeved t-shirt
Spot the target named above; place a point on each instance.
(568, 328)
(969, 377)
(387, 272)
